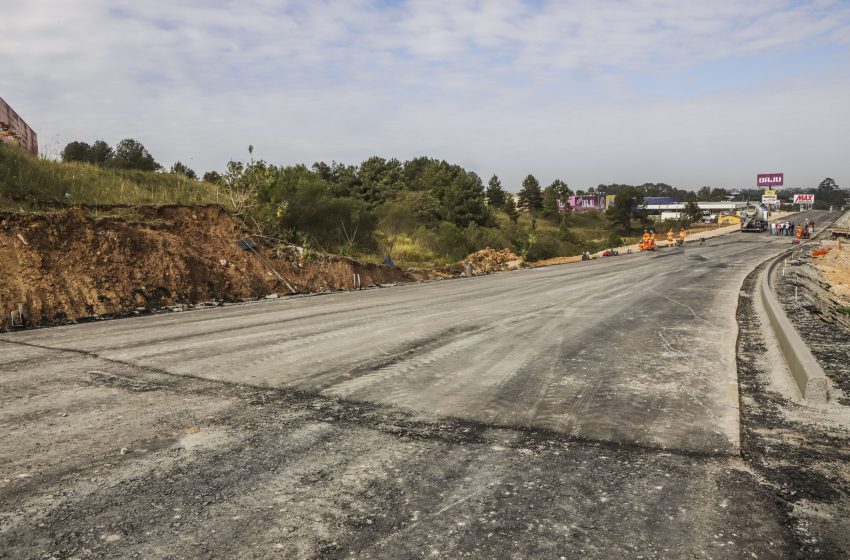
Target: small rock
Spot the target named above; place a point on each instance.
(112, 537)
(124, 451)
(272, 296)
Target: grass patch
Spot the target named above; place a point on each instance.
(28, 184)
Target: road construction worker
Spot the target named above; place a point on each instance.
(670, 237)
(682, 233)
(645, 241)
(799, 231)
(652, 240)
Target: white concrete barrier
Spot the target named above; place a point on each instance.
(805, 370)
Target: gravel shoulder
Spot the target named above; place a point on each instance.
(799, 452)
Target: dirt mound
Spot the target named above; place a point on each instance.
(834, 267)
(489, 260)
(66, 266)
(555, 260)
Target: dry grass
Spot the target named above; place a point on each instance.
(28, 184)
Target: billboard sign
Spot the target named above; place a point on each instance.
(804, 199)
(587, 202)
(769, 192)
(768, 199)
(768, 180)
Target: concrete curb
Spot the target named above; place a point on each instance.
(805, 370)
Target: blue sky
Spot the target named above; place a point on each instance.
(589, 91)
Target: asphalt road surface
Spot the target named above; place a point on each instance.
(579, 410)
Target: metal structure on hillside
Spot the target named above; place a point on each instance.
(14, 130)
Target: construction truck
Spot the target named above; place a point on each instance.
(755, 221)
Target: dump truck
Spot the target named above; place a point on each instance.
(757, 220)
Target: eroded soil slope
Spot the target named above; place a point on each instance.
(67, 266)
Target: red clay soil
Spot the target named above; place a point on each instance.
(67, 266)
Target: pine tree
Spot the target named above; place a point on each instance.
(531, 196)
(510, 208)
(495, 193)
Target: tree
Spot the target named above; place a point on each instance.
(557, 192)
(463, 200)
(495, 193)
(394, 220)
(531, 196)
(305, 208)
(213, 177)
(562, 189)
(692, 212)
(183, 169)
(627, 207)
(510, 208)
(131, 154)
(379, 180)
(550, 202)
(101, 153)
(719, 194)
(77, 151)
(830, 194)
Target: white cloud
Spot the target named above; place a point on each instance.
(553, 88)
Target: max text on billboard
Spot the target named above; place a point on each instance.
(770, 179)
(804, 199)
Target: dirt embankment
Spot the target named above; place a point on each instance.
(67, 266)
(833, 264)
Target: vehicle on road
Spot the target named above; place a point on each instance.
(757, 221)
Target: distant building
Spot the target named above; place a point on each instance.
(657, 205)
(14, 130)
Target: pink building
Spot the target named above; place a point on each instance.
(14, 130)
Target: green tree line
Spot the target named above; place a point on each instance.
(382, 206)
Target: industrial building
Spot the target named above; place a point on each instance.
(668, 208)
(14, 130)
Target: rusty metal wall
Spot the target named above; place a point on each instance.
(15, 130)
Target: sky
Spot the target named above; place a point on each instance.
(587, 91)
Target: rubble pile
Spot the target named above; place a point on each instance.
(489, 260)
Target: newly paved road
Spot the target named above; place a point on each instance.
(635, 354)
(637, 348)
